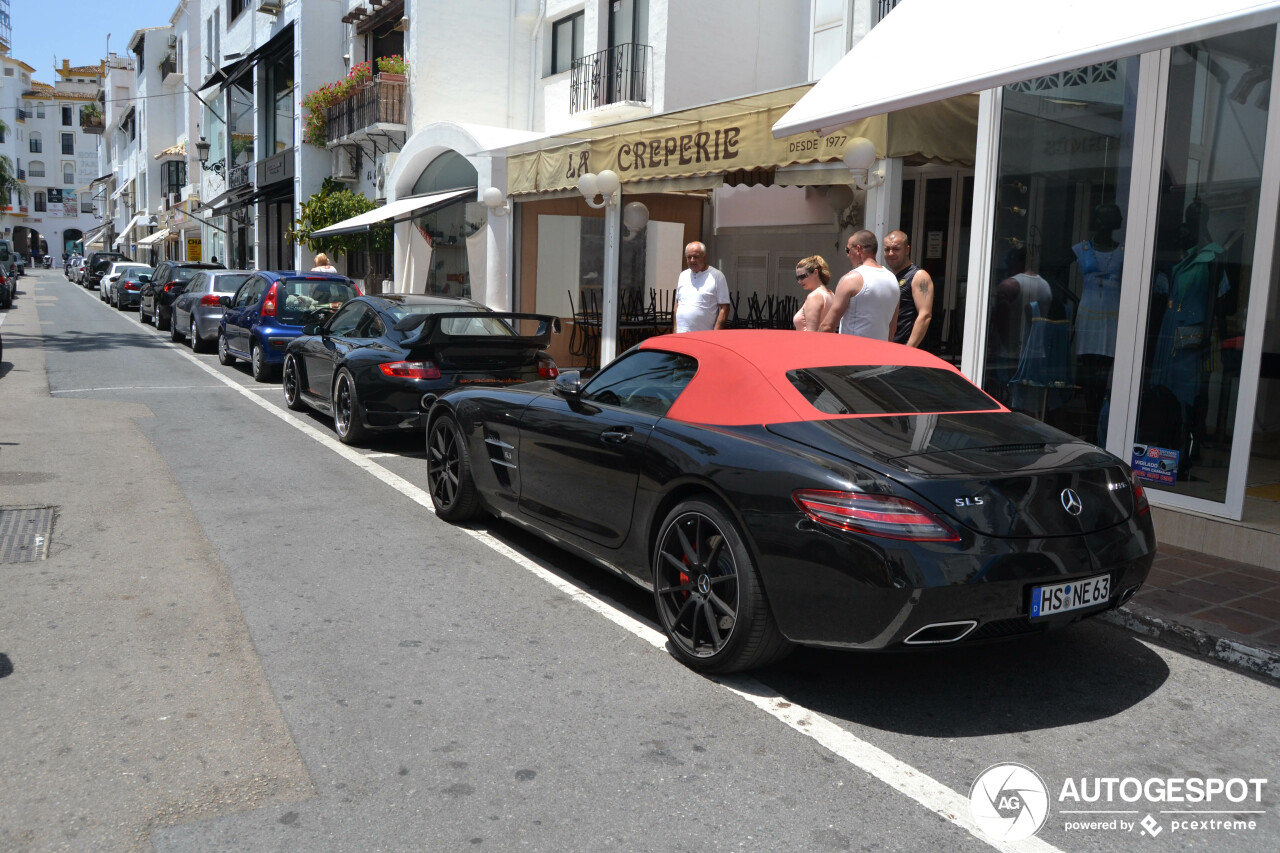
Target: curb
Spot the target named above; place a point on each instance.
(1264, 663)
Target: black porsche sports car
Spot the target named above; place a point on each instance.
(774, 488)
(379, 362)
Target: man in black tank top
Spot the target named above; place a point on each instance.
(915, 291)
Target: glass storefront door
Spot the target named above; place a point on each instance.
(1061, 212)
(1194, 331)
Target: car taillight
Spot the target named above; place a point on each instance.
(170, 286)
(1140, 504)
(547, 368)
(410, 370)
(210, 299)
(131, 285)
(877, 515)
(269, 304)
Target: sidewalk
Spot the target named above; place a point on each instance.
(1210, 606)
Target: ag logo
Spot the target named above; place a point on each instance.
(1009, 802)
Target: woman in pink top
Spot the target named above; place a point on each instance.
(814, 275)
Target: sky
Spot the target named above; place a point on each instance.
(77, 29)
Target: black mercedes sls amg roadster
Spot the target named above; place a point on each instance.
(775, 488)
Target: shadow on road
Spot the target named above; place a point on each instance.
(74, 340)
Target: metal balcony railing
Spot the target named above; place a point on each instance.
(617, 75)
(22, 174)
(381, 102)
(169, 65)
(884, 7)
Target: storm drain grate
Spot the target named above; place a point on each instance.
(25, 534)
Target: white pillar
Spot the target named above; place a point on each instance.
(612, 248)
(884, 203)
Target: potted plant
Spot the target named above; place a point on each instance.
(392, 68)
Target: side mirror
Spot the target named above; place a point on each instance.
(224, 301)
(568, 385)
(144, 277)
(311, 329)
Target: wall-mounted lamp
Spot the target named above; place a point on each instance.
(403, 26)
(635, 216)
(860, 156)
(202, 154)
(840, 199)
(495, 201)
(606, 184)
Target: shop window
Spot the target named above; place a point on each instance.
(1066, 151)
(1206, 230)
(566, 42)
(449, 238)
(240, 120)
(173, 176)
(280, 85)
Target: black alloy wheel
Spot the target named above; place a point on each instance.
(453, 491)
(708, 593)
(346, 409)
(292, 384)
(224, 355)
(175, 334)
(161, 323)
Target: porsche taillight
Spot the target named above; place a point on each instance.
(269, 304)
(547, 368)
(410, 370)
(876, 515)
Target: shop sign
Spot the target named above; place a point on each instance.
(1157, 464)
(193, 249)
(651, 149)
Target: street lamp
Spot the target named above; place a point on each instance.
(860, 156)
(494, 199)
(202, 153)
(606, 185)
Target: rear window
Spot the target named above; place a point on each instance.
(482, 326)
(188, 273)
(888, 390)
(298, 297)
(228, 283)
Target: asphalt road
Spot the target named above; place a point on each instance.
(248, 637)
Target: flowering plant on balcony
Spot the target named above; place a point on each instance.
(314, 123)
(394, 64)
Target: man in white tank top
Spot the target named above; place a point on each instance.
(866, 299)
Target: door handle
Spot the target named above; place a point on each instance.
(616, 435)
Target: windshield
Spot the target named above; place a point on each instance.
(888, 390)
(454, 325)
(302, 296)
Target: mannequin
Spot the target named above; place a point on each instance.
(1101, 262)
(1185, 340)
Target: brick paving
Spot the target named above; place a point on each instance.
(1222, 598)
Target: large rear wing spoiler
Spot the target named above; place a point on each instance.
(432, 333)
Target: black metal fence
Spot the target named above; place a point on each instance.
(616, 75)
(381, 102)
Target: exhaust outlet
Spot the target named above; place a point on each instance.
(940, 633)
(427, 401)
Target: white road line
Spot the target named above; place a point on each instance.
(902, 777)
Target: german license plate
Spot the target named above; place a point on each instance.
(1064, 597)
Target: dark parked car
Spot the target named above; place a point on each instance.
(127, 290)
(198, 311)
(380, 361)
(270, 309)
(97, 264)
(847, 493)
(155, 304)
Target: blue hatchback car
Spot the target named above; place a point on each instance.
(270, 309)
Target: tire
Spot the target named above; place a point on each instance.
(708, 593)
(262, 372)
(174, 334)
(161, 323)
(292, 381)
(142, 314)
(453, 489)
(224, 355)
(346, 409)
(197, 343)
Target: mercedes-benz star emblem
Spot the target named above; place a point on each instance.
(1071, 502)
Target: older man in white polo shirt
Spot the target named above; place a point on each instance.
(702, 294)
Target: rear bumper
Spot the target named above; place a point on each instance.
(829, 588)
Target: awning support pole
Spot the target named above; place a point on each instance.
(612, 249)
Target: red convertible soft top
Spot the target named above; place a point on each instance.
(742, 373)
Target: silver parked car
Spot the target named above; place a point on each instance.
(105, 287)
(197, 312)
